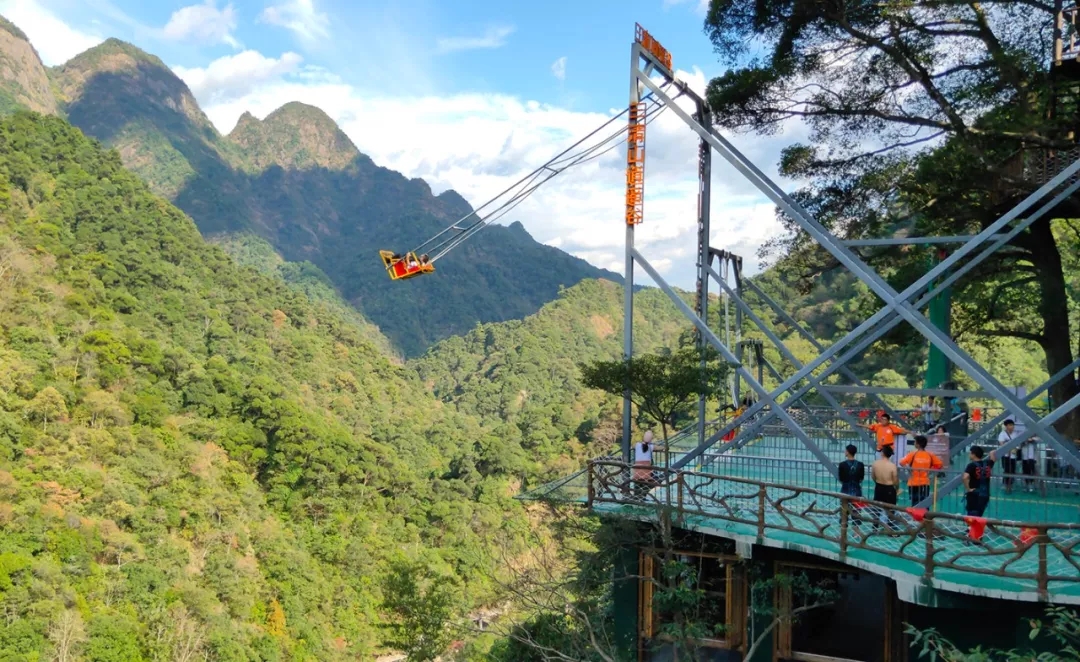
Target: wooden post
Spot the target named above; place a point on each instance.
(1043, 577)
(589, 473)
(845, 510)
(928, 533)
(761, 512)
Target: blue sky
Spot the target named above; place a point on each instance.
(467, 95)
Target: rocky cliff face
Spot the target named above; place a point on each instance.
(24, 82)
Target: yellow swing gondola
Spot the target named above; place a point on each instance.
(401, 267)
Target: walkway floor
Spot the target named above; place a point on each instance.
(1003, 563)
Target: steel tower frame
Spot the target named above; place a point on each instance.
(649, 60)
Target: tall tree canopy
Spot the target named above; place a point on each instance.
(926, 118)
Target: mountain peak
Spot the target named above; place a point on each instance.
(24, 82)
(13, 29)
(296, 136)
(117, 70)
(112, 55)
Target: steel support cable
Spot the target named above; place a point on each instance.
(506, 207)
(579, 159)
(509, 206)
(527, 179)
(518, 198)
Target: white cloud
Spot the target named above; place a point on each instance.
(493, 37)
(479, 144)
(233, 76)
(205, 23)
(558, 68)
(56, 42)
(700, 6)
(301, 17)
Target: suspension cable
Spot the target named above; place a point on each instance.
(549, 169)
(528, 182)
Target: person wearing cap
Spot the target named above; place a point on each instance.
(977, 481)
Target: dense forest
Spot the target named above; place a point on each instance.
(523, 376)
(194, 454)
(199, 453)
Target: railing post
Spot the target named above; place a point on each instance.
(1043, 576)
(928, 533)
(761, 512)
(590, 471)
(680, 478)
(845, 513)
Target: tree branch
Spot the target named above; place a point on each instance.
(776, 621)
(1008, 333)
(1000, 57)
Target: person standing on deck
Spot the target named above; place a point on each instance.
(931, 411)
(885, 431)
(1008, 461)
(886, 477)
(920, 460)
(977, 481)
(1028, 453)
(886, 480)
(851, 473)
(643, 475)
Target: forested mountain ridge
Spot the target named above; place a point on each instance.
(296, 180)
(523, 375)
(193, 454)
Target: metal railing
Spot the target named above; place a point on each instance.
(1031, 556)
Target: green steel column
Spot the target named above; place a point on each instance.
(938, 366)
(625, 599)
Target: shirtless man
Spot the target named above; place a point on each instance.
(886, 477)
(886, 481)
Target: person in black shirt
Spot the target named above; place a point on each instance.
(977, 481)
(851, 473)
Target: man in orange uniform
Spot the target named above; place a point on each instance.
(885, 431)
(919, 482)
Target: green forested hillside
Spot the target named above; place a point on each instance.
(297, 181)
(523, 375)
(249, 250)
(195, 455)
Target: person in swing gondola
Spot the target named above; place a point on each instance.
(424, 260)
(412, 262)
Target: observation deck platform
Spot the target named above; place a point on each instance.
(773, 492)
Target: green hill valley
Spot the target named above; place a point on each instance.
(187, 445)
(523, 376)
(296, 180)
(197, 453)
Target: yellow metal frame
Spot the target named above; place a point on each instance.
(389, 262)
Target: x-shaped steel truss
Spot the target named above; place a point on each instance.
(898, 305)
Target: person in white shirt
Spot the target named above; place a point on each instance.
(1028, 453)
(1008, 460)
(930, 411)
(643, 475)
